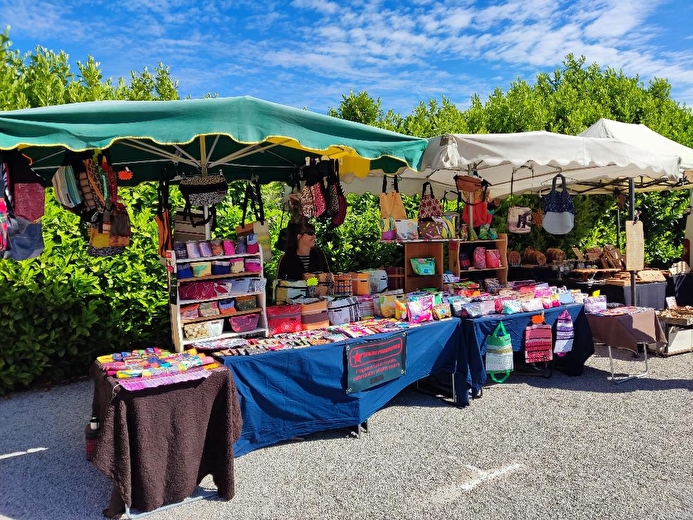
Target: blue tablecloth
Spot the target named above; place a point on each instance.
(475, 331)
(296, 392)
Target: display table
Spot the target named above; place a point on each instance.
(476, 330)
(626, 331)
(649, 294)
(157, 444)
(295, 392)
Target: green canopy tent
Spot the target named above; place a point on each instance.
(243, 137)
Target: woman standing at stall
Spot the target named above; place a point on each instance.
(302, 255)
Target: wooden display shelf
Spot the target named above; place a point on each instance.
(423, 249)
(500, 243)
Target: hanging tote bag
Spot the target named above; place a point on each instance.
(26, 187)
(559, 212)
(429, 206)
(21, 239)
(538, 343)
(565, 334)
(391, 204)
(479, 202)
(499, 354)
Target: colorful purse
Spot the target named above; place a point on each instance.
(565, 334)
(499, 354)
(391, 204)
(559, 211)
(538, 343)
(429, 206)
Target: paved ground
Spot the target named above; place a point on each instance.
(530, 448)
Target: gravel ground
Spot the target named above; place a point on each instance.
(535, 448)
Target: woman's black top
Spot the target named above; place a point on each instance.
(290, 266)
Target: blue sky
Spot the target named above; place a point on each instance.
(309, 53)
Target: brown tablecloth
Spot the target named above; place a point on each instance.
(628, 330)
(157, 444)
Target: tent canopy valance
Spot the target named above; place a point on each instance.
(241, 136)
(526, 162)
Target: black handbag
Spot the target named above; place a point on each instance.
(203, 190)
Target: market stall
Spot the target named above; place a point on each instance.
(97, 146)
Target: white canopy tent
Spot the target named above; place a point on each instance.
(526, 162)
(641, 135)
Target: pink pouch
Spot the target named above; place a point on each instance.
(29, 200)
(420, 310)
(493, 260)
(252, 265)
(196, 291)
(479, 258)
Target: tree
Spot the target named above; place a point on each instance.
(360, 108)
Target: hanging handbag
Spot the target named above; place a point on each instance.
(519, 219)
(337, 198)
(565, 334)
(559, 211)
(259, 227)
(429, 206)
(538, 343)
(499, 354)
(312, 196)
(479, 203)
(25, 239)
(203, 190)
(22, 238)
(391, 204)
(26, 187)
(467, 183)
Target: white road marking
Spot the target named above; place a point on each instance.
(489, 475)
(451, 492)
(18, 453)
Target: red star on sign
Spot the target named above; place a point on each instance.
(357, 357)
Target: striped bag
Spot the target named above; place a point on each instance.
(565, 334)
(538, 343)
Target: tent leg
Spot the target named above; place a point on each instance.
(629, 377)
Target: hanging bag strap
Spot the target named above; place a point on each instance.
(248, 198)
(423, 189)
(384, 190)
(163, 202)
(253, 197)
(500, 327)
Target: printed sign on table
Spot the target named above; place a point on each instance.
(370, 363)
